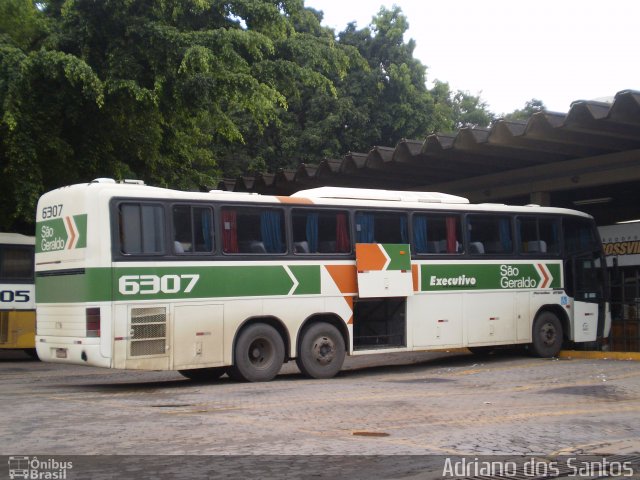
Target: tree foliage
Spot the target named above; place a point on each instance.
(459, 109)
(532, 106)
(182, 92)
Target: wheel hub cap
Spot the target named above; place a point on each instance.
(324, 350)
(548, 334)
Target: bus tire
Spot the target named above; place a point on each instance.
(321, 351)
(203, 374)
(547, 335)
(258, 355)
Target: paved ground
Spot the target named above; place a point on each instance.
(436, 404)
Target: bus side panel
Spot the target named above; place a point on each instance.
(198, 336)
(524, 317)
(120, 334)
(585, 321)
(489, 317)
(436, 319)
(106, 330)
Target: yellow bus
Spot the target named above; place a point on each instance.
(17, 296)
(131, 276)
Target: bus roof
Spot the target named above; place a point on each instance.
(328, 196)
(374, 194)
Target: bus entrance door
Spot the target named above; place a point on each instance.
(589, 298)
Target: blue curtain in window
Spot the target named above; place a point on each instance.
(420, 233)
(404, 233)
(312, 232)
(505, 234)
(271, 231)
(206, 230)
(364, 228)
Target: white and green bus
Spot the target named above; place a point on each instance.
(131, 276)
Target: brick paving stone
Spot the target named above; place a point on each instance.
(419, 404)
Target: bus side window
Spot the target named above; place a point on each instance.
(436, 234)
(320, 231)
(538, 235)
(489, 234)
(253, 230)
(141, 229)
(192, 229)
(381, 227)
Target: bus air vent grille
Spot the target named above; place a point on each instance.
(148, 331)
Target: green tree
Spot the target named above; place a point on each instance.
(391, 97)
(454, 110)
(307, 66)
(532, 106)
(21, 23)
(120, 88)
(180, 92)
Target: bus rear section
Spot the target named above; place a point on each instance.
(72, 286)
(17, 297)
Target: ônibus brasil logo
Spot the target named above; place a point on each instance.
(38, 469)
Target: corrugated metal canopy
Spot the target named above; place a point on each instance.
(592, 152)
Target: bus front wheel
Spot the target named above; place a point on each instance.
(259, 354)
(203, 374)
(321, 351)
(547, 335)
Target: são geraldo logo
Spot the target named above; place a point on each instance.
(38, 469)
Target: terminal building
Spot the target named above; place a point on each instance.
(587, 159)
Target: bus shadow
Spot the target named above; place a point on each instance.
(291, 374)
(17, 356)
(455, 361)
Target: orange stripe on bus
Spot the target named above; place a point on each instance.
(344, 277)
(299, 201)
(72, 235)
(369, 257)
(416, 277)
(349, 301)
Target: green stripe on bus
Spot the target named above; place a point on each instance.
(81, 224)
(309, 278)
(94, 285)
(200, 282)
(399, 256)
(506, 276)
(182, 282)
(160, 283)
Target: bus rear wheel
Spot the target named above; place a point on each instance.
(259, 354)
(321, 351)
(203, 374)
(547, 335)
